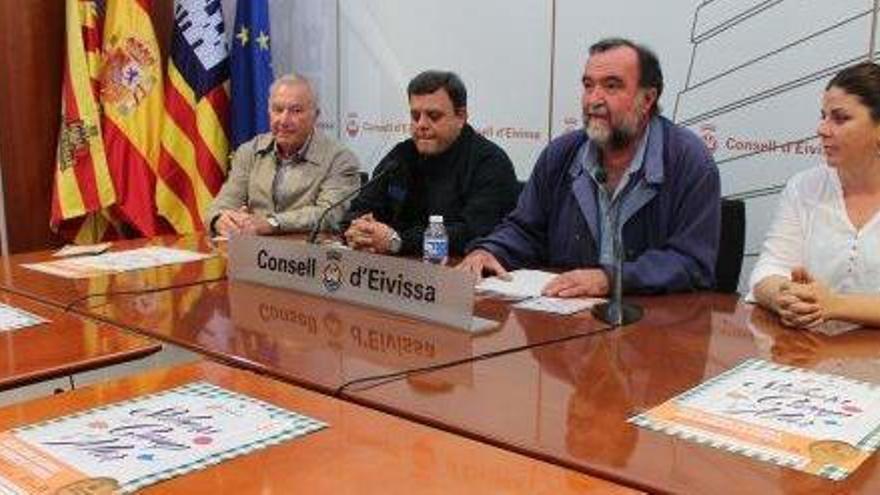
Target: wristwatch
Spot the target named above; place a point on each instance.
(273, 222)
(395, 242)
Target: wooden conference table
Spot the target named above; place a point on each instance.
(363, 451)
(565, 401)
(66, 292)
(310, 341)
(569, 401)
(64, 345)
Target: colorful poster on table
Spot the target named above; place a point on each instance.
(118, 261)
(129, 445)
(821, 424)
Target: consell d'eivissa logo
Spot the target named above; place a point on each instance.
(716, 141)
(333, 276)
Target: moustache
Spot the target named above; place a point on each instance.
(597, 111)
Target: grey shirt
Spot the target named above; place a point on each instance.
(626, 199)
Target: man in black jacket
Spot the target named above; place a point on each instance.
(445, 168)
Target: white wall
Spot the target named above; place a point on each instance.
(663, 26)
(747, 75)
(501, 51)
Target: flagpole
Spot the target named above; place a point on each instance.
(339, 119)
(4, 234)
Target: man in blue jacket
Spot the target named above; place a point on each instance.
(658, 178)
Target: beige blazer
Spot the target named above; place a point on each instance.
(328, 173)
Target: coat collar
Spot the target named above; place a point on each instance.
(653, 157)
(583, 186)
(316, 148)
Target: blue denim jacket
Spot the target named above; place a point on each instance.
(671, 240)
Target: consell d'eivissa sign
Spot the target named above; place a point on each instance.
(430, 292)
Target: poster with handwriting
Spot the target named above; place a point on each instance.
(822, 424)
(129, 445)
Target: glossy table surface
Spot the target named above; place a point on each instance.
(316, 342)
(569, 401)
(64, 345)
(363, 451)
(65, 292)
(311, 341)
(536, 384)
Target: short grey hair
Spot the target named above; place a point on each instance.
(293, 79)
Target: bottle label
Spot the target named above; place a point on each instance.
(436, 250)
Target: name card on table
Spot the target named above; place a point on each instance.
(430, 292)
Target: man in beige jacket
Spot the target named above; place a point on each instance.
(283, 180)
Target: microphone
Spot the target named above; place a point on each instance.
(393, 165)
(601, 176)
(616, 312)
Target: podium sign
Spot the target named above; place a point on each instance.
(425, 291)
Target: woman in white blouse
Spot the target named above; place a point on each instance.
(821, 258)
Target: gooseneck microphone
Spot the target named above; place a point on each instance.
(615, 312)
(601, 176)
(392, 164)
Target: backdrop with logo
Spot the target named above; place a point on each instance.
(747, 75)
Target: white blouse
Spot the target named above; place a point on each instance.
(812, 229)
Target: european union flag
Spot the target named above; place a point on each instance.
(251, 64)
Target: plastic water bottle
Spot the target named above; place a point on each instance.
(436, 244)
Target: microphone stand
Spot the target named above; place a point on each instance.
(393, 164)
(616, 312)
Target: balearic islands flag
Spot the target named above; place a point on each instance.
(195, 143)
(82, 185)
(131, 96)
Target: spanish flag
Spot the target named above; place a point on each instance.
(195, 143)
(82, 183)
(131, 96)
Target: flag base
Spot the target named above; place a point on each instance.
(617, 314)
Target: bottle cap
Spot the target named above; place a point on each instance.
(436, 219)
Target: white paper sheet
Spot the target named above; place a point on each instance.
(74, 250)
(139, 259)
(12, 318)
(558, 305)
(117, 261)
(523, 284)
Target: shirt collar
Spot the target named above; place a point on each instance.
(301, 155)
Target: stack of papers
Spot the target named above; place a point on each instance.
(118, 261)
(558, 305)
(523, 284)
(526, 286)
(139, 259)
(74, 250)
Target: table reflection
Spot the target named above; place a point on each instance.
(854, 354)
